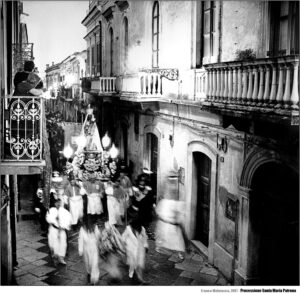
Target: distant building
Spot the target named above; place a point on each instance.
(64, 83)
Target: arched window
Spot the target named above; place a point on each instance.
(125, 28)
(111, 49)
(155, 34)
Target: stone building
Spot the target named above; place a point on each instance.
(208, 90)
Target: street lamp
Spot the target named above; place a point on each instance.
(113, 152)
(68, 151)
(106, 141)
(81, 141)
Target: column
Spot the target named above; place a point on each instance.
(250, 85)
(287, 90)
(279, 96)
(239, 85)
(225, 92)
(295, 93)
(229, 84)
(267, 86)
(261, 86)
(234, 84)
(245, 86)
(247, 263)
(255, 87)
(273, 87)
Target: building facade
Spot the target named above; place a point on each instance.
(21, 154)
(63, 81)
(208, 91)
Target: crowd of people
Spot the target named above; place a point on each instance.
(77, 204)
(128, 210)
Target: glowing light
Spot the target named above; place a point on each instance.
(89, 110)
(113, 151)
(68, 151)
(81, 141)
(106, 141)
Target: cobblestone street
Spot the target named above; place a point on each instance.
(36, 268)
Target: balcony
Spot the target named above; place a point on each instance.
(101, 86)
(142, 86)
(22, 134)
(266, 86)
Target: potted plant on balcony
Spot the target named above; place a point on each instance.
(245, 55)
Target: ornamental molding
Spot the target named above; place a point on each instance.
(171, 74)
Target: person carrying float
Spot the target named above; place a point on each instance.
(74, 192)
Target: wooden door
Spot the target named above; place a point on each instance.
(153, 153)
(203, 179)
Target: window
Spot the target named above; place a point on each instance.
(155, 34)
(88, 61)
(206, 38)
(111, 48)
(99, 51)
(284, 28)
(125, 57)
(93, 60)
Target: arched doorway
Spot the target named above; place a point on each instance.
(202, 183)
(274, 217)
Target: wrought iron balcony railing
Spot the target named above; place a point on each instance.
(262, 83)
(22, 129)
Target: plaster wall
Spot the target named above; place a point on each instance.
(175, 39)
(225, 176)
(241, 28)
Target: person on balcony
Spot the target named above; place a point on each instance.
(27, 82)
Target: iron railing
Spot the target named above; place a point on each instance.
(22, 129)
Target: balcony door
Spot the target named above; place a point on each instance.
(284, 28)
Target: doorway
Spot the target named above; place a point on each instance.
(202, 178)
(274, 218)
(152, 148)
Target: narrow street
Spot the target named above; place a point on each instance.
(36, 268)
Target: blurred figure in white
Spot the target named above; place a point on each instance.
(170, 232)
(136, 244)
(113, 205)
(126, 184)
(111, 249)
(88, 248)
(74, 193)
(59, 220)
(95, 190)
(120, 195)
